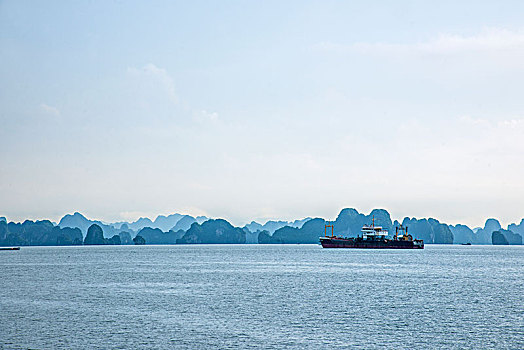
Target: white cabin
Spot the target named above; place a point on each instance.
(373, 231)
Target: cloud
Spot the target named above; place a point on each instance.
(491, 42)
(153, 97)
(468, 143)
(504, 126)
(50, 110)
(513, 124)
(159, 76)
(205, 117)
(489, 39)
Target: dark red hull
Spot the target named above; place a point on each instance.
(337, 242)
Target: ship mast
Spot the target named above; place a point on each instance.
(325, 230)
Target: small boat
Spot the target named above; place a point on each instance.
(466, 243)
(9, 248)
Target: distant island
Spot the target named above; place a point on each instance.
(76, 229)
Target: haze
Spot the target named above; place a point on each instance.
(262, 110)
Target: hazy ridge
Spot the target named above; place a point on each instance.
(73, 229)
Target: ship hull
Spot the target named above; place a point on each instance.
(328, 242)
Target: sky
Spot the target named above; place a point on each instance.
(257, 110)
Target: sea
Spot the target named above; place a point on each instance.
(261, 297)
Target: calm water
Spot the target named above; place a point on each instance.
(261, 296)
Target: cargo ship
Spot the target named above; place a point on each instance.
(374, 237)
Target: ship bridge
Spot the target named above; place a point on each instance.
(373, 231)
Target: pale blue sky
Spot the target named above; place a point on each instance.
(258, 110)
